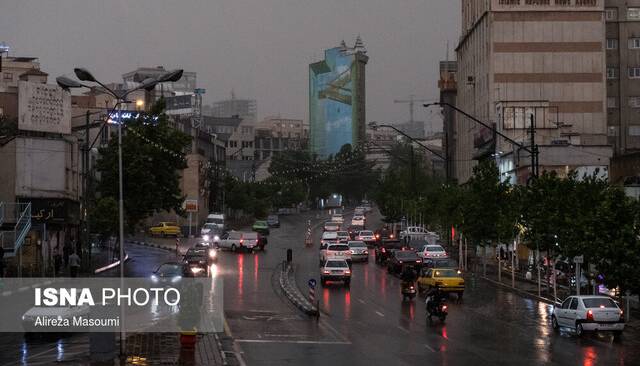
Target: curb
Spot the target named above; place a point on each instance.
(152, 245)
(110, 266)
(293, 293)
(522, 292)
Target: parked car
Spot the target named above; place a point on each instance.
(335, 270)
(261, 226)
(399, 259)
(166, 228)
(412, 233)
(384, 250)
(273, 221)
(343, 236)
(446, 279)
(588, 313)
(432, 251)
(331, 226)
(359, 251)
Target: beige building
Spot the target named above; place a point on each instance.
(285, 127)
(524, 58)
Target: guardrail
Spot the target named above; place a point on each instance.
(22, 226)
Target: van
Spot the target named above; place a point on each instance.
(216, 219)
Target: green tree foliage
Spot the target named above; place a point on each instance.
(152, 160)
(104, 217)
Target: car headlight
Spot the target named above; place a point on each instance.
(195, 270)
(24, 317)
(205, 237)
(216, 238)
(176, 279)
(213, 253)
(154, 278)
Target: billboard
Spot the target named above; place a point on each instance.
(43, 108)
(336, 100)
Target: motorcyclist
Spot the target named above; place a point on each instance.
(408, 276)
(434, 297)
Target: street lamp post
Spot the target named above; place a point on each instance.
(121, 98)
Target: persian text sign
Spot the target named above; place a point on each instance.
(43, 108)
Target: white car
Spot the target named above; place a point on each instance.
(334, 251)
(359, 251)
(331, 226)
(337, 218)
(210, 232)
(366, 236)
(60, 313)
(358, 220)
(588, 313)
(335, 270)
(236, 240)
(329, 237)
(412, 233)
(432, 251)
(343, 236)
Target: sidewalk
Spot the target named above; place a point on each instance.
(165, 349)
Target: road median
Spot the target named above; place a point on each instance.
(290, 289)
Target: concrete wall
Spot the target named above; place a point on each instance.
(8, 172)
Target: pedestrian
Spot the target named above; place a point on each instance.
(1, 262)
(74, 264)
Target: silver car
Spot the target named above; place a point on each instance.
(359, 251)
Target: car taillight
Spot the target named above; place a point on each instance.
(590, 315)
(444, 307)
(383, 250)
(377, 236)
(419, 261)
(391, 236)
(347, 271)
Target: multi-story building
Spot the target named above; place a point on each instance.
(623, 86)
(337, 99)
(185, 86)
(285, 127)
(379, 145)
(246, 109)
(448, 92)
(542, 61)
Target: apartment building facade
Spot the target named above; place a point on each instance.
(532, 61)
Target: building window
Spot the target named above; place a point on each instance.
(633, 13)
(7, 76)
(634, 130)
(634, 43)
(612, 102)
(634, 102)
(612, 73)
(611, 14)
(634, 72)
(612, 43)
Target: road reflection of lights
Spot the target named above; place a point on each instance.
(444, 333)
(412, 310)
(590, 356)
(137, 360)
(256, 265)
(60, 349)
(24, 353)
(213, 271)
(347, 304)
(325, 299)
(366, 276)
(240, 276)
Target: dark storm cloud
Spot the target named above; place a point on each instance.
(259, 48)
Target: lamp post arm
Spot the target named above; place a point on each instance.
(482, 123)
(413, 140)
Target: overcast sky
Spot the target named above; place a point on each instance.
(259, 48)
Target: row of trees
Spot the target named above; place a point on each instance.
(561, 217)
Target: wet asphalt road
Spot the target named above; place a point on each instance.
(369, 324)
(72, 348)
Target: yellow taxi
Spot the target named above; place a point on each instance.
(165, 228)
(446, 279)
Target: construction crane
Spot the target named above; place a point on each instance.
(411, 101)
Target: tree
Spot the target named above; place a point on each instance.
(104, 217)
(152, 160)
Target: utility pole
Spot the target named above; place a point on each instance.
(534, 148)
(85, 190)
(413, 170)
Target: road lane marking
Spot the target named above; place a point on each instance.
(331, 329)
(404, 329)
(379, 313)
(290, 341)
(362, 301)
(430, 348)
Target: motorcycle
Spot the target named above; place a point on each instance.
(435, 308)
(408, 290)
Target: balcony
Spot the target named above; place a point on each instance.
(15, 223)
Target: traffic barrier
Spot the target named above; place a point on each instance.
(290, 289)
